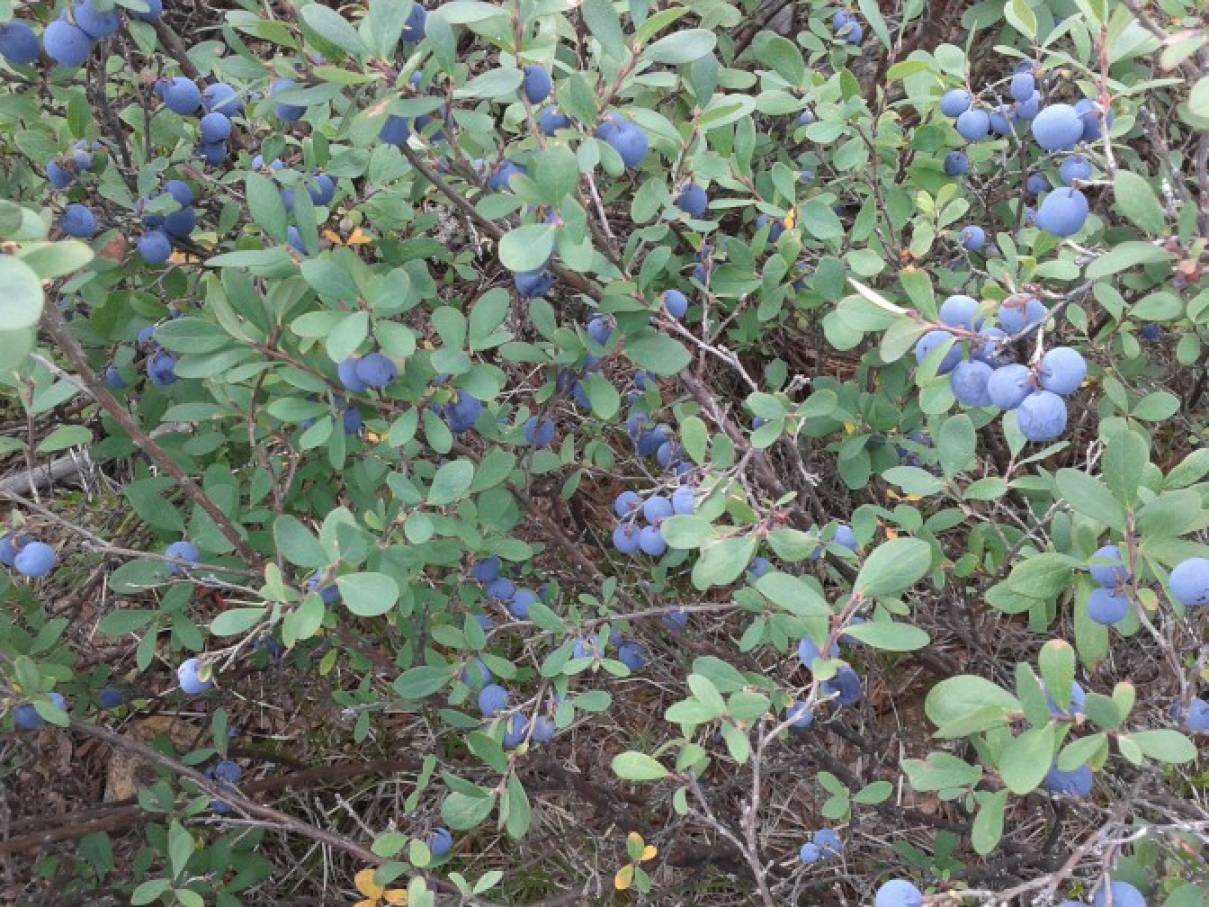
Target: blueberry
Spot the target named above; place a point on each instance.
(626, 502)
(515, 731)
(492, 700)
(955, 102)
(329, 594)
(188, 676)
(1036, 184)
(498, 181)
(1195, 718)
(78, 221)
(522, 601)
(656, 509)
(931, 341)
(66, 44)
(34, 559)
(676, 303)
(1016, 313)
(809, 853)
(959, 312)
(898, 893)
(1057, 127)
(59, 176)
(828, 842)
(94, 23)
(974, 124)
(486, 570)
(376, 370)
(110, 697)
(321, 189)
(161, 369)
(683, 500)
(651, 541)
(414, 27)
(973, 237)
(692, 200)
(500, 589)
(675, 621)
(1107, 567)
(182, 551)
(845, 686)
(799, 715)
(214, 127)
(346, 371)
(539, 432)
(530, 284)
(179, 224)
(600, 329)
(808, 651)
(543, 730)
(1022, 86)
(1077, 783)
(536, 83)
(1075, 167)
(550, 120)
(956, 163)
(1189, 582)
(1078, 698)
(627, 538)
(969, 383)
(1041, 416)
(758, 567)
(440, 842)
(845, 536)
(222, 98)
(113, 378)
(1063, 212)
(1151, 331)
(632, 655)
(18, 44)
(627, 139)
(180, 95)
(464, 412)
(287, 112)
(1089, 116)
(1062, 370)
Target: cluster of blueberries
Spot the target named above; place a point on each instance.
(493, 702)
(824, 844)
(1056, 127)
(847, 27)
(628, 536)
(26, 717)
(69, 39)
(30, 558)
(986, 378)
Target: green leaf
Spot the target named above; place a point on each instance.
(605, 26)
(383, 24)
(556, 173)
(418, 682)
(1021, 17)
(368, 594)
(1125, 460)
(658, 353)
(988, 824)
(782, 55)
(913, 480)
(180, 847)
(495, 84)
(1165, 745)
(722, 562)
(956, 445)
(451, 483)
(1091, 497)
(20, 295)
(265, 205)
(342, 341)
(1136, 201)
(63, 437)
(890, 636)
(297, 544)
(893, 567)
(334, 28)
(1057, 663)
(527, 248)
(235, 621)
(463, 812)
(682, 47)
(633, 766)
(1124, 256)
(1026, 759)
(686, 532)
(149, 891)
(1198, 98)
(959, 697)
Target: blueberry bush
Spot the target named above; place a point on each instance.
(541, 453)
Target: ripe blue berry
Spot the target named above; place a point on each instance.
(692, 200)
(1107, 568)
(1106, 608)
(969, 381)
(1057, 127)
(974, 124)
(1189, 582)
(1041, 416)
(188, 675)
(955, 102)
(34, 559)
(930, 341)
(287, 112)
(1062, 370)
(536, 83)
(78, 221)
(1063, 212)
(973, 237)
(68, 45)
(956, 163)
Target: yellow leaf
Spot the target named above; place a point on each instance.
(625, 875)
(359, 238)
(333, 237)
(368, 902)
(634, 838)
(364, 880)
(396, 896)
(890, 533)
(849, 428)
(649, 852)
(373, 437)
